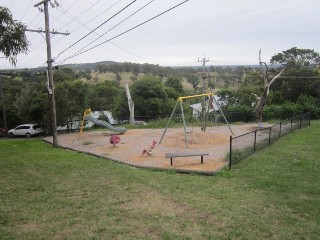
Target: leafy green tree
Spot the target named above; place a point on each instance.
(64, 74)
(103, 96)
(136, 69)
(193, 80)
(133, 78)
(116, 68)
(32, 103)
(309, 104)
(71, 101)
(11, 89)
(275, 97)
(117, 78)
(121, 108)
(12, 36)
(150, 97)
(295, 57)
(302, 74)
(252, 79)
(102, 68)
(175, 83)
(84, 74)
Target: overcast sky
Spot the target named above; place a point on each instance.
(226, 32)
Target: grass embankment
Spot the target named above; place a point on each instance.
(48, 193)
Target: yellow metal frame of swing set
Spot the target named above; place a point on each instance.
(194, 96)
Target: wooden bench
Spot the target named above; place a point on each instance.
(175, 155)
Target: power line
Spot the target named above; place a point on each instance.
(83, 24)
(75, 18)
(26, 11)
(97, 27)
(12, 4)
(100, 36)
(72, 56)
(34, 19)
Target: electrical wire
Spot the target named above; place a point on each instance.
(26, 11)
(12, 4)
(84, 24)
(118, 24)
(74, 55)
(97, 27)
(75, 18)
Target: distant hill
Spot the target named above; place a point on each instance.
(85, 66)
(93, 66)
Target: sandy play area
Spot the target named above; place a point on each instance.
(214, 141)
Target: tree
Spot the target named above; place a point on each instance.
(64, 74)
(175, 82)
(102, 96)
(12, 36)
(71, 102)
(295, 57)
(117, 78)
(193, 80)
(150, 96)
(302, 73)
(261, 101)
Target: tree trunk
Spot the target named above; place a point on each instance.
(130, 105)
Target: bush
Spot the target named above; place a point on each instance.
(309, 104)
(284, 111)
(239, 113)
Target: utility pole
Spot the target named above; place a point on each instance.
(204, 76)
(50, 74)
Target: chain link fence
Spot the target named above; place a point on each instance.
(246, 144)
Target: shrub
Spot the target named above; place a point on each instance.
(239, 113)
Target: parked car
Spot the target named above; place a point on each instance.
(2, 132)
(27, 130)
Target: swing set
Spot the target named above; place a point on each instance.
(180, 100)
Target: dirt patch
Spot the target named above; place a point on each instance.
(214, 141)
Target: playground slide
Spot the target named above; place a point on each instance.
(105, 124)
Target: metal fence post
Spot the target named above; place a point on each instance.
(230, 154)
(255, 140)
(280, 131)
(309, 115)
(269, 136)
(291, 124)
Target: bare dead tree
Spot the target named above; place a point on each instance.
(261, 101)
(130, 104)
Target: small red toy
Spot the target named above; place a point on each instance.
(114, 139)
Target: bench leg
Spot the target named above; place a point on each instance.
(201, 159)
(171, 161)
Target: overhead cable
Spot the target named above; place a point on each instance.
(129, 30)
(97, 27)
(100, 36)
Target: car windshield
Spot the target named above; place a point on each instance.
(35, 127)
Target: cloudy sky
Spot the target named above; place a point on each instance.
(225, 32)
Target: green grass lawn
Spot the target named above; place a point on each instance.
(48, 193)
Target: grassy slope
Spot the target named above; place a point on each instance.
(56, 194)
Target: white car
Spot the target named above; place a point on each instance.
(27, 130)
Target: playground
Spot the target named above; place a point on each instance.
(141, 148)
